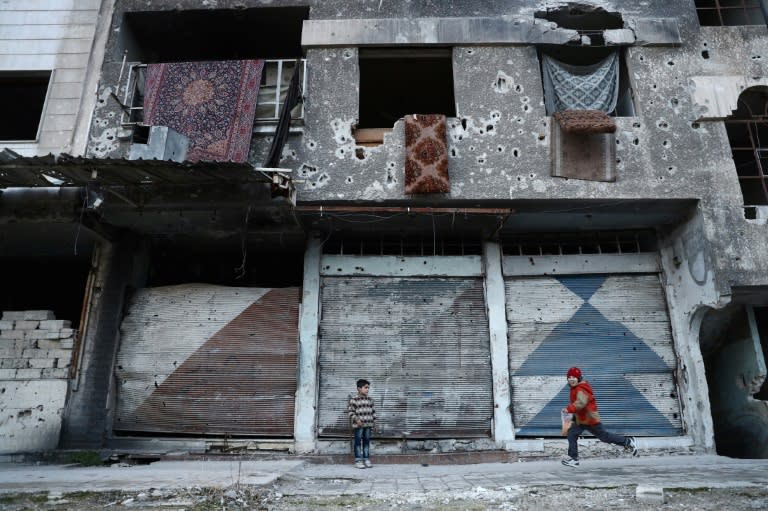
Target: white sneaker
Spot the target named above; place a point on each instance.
(631, 445)
(359, 464)
(367, 464)
(570, 462)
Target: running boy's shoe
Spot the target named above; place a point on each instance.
(631, 445)
(367, 463)
(359, 464)
(570, 462)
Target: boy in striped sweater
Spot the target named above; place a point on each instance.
(362, 416)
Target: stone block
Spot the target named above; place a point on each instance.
(60, 354)
(12, 334)
(39, 315)
(8, 353)
(34, 353)
(7, 374)
(55, 373)
(28, 374)
(55, 324)
(649, 494)
(26, 325)
(13, 315)
(6, 325)
(66, 333)
(36, 334)
(67, 343)
(41, 363)
(48, 344)
(13, 363)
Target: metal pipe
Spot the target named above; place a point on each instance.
(403, 209)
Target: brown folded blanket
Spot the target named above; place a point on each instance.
(426, 154)
(585, 121)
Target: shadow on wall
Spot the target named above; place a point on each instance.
(734, 343)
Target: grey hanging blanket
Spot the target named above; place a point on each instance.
(594, 87)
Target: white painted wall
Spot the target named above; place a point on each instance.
(57, 36)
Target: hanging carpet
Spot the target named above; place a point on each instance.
(594, 87)
(426, 154)
(212, 103)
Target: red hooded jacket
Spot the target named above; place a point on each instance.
(583, 404)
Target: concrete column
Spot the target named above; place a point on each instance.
(304, 427)
(503, 431)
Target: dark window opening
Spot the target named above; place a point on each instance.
(22, 97)
(396, 82)
(747, 129)
(720, 13)
(601, 242)
(588, 20)
(212, 34)
(225, 266)
(585, 56)
(761, 319)
(403, 246)
(28, 284)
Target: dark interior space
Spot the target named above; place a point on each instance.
(588, 19)
(212, 34)
(747, 128)
(717, 13)
(45, 283)
(22, 97)
(396, 83)
(254, 266)
(761, 319)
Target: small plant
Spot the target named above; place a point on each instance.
(85, 458)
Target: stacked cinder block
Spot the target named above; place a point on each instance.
(34, 345)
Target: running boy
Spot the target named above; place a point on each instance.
(362, 416)
(584, 408)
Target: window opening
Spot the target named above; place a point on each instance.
(603, 242)
(747, 131)
(719, 13)
(590, 56)
(403, 246)
(398, 82)
(589, 20)
(22, 100)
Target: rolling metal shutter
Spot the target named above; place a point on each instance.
(424, 345)
(615, 327)
(201, 359)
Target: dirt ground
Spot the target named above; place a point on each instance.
(478, 499)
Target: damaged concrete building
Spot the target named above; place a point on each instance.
(258, 202)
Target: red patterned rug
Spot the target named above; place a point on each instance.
(426, 154)
(213, 103)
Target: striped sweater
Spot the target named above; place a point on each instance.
(361, 408)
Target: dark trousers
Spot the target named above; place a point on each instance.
(598, 430)
(362, 443)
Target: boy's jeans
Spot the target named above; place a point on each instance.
(362, 443)
(598, 430)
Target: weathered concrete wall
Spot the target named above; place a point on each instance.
(56, 37)
(35, 354)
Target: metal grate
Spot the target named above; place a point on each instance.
(722, 13)
(403, 247)
(604, 242)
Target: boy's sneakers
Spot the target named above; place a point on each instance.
(631, 445)
(570, 462)
(367, 464)
(359, 464)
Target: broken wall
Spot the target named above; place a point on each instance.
(35, 355)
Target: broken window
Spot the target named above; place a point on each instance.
(399, 82)
(22, 98)
(747, 129)
(720, 13)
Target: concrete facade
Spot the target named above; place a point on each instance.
(674, 176)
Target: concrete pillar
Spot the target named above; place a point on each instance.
(309, 319)
(503, 431)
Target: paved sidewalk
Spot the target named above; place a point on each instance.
(298, 477)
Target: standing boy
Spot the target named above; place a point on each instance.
(362, 416)
(584, 408)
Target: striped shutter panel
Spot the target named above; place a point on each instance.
(202, 359)
(424, 345)
(615, 328)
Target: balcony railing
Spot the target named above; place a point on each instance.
(275, 80)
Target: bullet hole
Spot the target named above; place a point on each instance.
(464, 124)
(495, 115)
(641, 58)
(653, 86)
(756, 57)
(470, 51)
(501, 84)
(635, 124)
(520, 131)
(24, 413)
(695, 125)
(671, 168)
(360, 153)
(489, 127)
(519, 178)
(661, 178)
(323, 178)
(673, 102)
(618, 161)
(348, 180)
(347, 54)
(480, 131)
(665, 143)
(307, 170)
(390, 179)
(101, 102)
(516, 152)
(471, 148)
(453, 152)
(531, 175)
(481, 160)
(311, 144)
(705, 54)
(618, 142)
(500, 148)
(636, 141)
(391, 165)
(343, 138)
(525, 108)
(670, 63)
(662, 125)
(518, 88)
(520, 120)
